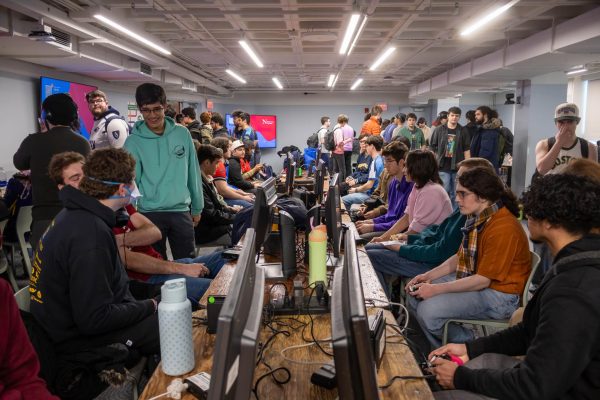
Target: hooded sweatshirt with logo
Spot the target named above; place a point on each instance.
(167, 172)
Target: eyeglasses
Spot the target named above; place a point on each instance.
(461, 194)
(96, 101)
(156, 110)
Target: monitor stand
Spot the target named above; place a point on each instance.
(282, 244)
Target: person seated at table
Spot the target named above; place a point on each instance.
(17, 195)
(79, 288)
(363, 164)
(485, 278)
(232, 196)
(217, 216)
(428, 202)
(248, 172)
(358, 194)
(377, 204)
(135, 235)
(422, 251)
(559, 335)
(235, 176)
(399, 189)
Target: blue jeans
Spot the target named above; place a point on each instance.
(238, 202)
(196, 287)
(433, 313)
(354, 198)
(387, 263)
(449, 182)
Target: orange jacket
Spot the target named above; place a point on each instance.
(371, 126)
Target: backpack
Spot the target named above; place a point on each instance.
(205, 135)
(329, 141)
(585, 152)
(113, 117)
(313, 140)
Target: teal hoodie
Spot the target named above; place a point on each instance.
(166, 169)
(436, 243)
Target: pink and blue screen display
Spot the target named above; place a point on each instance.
(264, 125)
(50, 86)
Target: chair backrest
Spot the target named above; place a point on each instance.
(23, 298)
(2, 225)
(535, 261)
(23, 226)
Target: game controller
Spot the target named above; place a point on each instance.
(413, 288)
(448, 357)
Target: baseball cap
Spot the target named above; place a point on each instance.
(236, 144)
(566, 111)
(60, 109)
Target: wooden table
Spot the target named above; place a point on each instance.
(397, 360)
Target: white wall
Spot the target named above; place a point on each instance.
(591, 120)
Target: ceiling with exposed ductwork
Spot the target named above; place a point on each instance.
(297, 40)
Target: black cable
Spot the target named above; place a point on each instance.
(312, 324)
(394, 378)
(277, 380)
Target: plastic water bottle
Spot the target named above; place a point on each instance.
(175, 327)
(3, 181)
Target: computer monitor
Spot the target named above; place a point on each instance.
(238, 328)
(289, 176)
(319, 180)
(355, 367)
(333, 216)
(266, 194)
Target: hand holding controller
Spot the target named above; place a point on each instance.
(448, 357)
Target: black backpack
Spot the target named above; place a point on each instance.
(585, 152)
(329, 141)
(313, 140)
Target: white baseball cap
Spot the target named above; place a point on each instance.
(236, 144)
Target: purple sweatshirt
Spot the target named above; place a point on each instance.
(398, 192)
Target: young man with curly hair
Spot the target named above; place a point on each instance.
(560, 331)
(79, 287)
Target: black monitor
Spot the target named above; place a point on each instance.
(266, 194)
(333, 216)
(355, 367)
(238, 328)
(289, 177)
(319, 180)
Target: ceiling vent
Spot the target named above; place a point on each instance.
(145, 69)
(188, 85)
(62, 38)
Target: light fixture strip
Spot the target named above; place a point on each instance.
(349, 32)
(277, 83)
(485, 19)
(335, 80)
(382, 58)
(577, 71)
(131, 34)
(360, 29)
(236, 76)
(356, 83)
(251, 53)
(330, 81)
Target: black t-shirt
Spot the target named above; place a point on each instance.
(456, 142)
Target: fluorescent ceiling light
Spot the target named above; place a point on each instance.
(349, 32)
(131, 34)
(362, 25)
(485, 19)
(330, 81)
(236, 76)
(356, 83)
(335, 80)
(382, 58)
(577, 71)
(251, 53)
(277, 83)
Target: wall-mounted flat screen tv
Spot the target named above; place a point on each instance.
(50, 86)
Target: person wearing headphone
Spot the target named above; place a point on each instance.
(59, 116)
